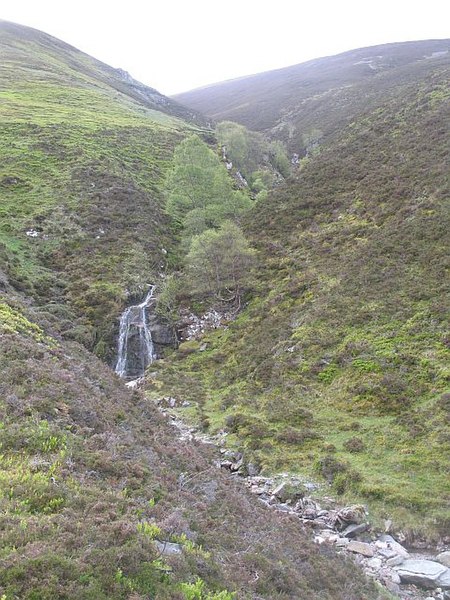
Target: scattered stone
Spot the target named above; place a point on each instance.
(360, 548)
(226, 464)
(252, 470)
(444, 558)
(425, 573)
(389, 575)
(135, 383)
(388, 553)
(342, 542)
(319, 539)
(309, 513)
(168, 548)
(258, 490)
(387, 526)
(237, 465)
(288, 491)
(322, 523)
(284, 508)
(164, 402)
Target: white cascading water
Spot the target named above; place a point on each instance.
(134, 323)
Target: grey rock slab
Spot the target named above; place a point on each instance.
(360, 548)
(425, 573)
(353, 530)
(375, 563)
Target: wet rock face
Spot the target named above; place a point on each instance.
(163, 336)
(137, 360)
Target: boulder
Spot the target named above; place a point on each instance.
(360, 548)
(394, 561)
(350, 514)
(237, 465)
(375, 563)
(444, 558)
(425, 573)
(393, 545)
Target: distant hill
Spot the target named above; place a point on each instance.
(314, 99)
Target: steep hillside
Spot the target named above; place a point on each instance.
(305, 103)
(338, 366)
(83, 154)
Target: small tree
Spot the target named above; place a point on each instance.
(219, 263)
(200, 193)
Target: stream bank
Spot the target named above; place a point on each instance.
(407, 574)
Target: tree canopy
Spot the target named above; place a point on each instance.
(200, 194)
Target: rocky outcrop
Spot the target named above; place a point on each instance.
(163, 335)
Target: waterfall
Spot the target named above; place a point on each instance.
(135, 348)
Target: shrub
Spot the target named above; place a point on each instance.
(329, 467)
(354, 444)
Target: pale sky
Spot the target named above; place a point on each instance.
(176, 45)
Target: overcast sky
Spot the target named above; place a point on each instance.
(177, 45)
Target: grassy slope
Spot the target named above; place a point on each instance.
(82, 158)
(347, 337)
(317, 96)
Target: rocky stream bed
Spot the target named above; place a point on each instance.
(408, 574)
